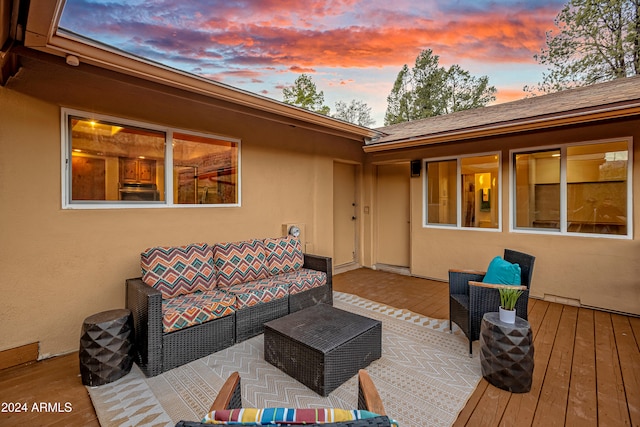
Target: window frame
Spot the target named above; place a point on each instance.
(563, 147)
(66, 147)
(458, 224)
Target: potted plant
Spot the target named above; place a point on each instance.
(508, 299)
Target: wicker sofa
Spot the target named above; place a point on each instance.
(197, 299)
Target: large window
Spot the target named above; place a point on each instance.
(463, 192)
(112, 162)
(579, 188)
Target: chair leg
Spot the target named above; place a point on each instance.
(470, 348)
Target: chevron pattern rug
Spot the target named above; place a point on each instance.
(424, 377)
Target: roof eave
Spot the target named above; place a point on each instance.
(525, 125)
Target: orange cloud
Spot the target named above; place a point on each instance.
(297, 69)
(488, 37)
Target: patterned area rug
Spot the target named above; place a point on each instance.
(424, 377)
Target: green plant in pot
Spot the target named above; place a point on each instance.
(508, 299)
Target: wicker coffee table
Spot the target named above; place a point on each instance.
(322, 346)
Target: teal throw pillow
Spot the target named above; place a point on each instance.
(501, 272)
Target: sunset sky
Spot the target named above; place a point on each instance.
(352, 49)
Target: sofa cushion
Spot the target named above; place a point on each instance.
(284, 254)
(178, 270)
(251, 293)
(239, 262)
(195, 308)
(303, 279)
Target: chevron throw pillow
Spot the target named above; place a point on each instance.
(178, 270)
(239, 262)
(284, 254)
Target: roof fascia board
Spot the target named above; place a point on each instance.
(41, 34)
(598, 114)
(42, 21)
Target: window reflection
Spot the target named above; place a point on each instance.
(475, 190)
(111, 162)
(441, 192)
(205, 170)
(595, 194)
(597, 188)
(537, 182)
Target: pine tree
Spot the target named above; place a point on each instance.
(595, 41)
(304, 94)
(357, 112)
(429, 90)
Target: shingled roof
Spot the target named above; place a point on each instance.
(620, 97)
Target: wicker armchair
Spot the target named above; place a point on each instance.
(230, 397)
(470, 299)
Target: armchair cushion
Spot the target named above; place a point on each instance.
(284, 254)
(239, 262)
(272, 416)
(501, 272)
(178, 270)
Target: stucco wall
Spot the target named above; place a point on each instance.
(597, 272)
(60, 266)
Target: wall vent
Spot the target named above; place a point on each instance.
(562, 300)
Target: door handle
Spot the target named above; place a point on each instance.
(353, 218)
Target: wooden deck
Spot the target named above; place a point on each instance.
(587, 366)
(587, 362)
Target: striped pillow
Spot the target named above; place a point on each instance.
(286, 416)
(239, 262)
(284, 254)
(178, 270)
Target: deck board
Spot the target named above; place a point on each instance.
(552, 403)
(612, 402)
(522, 406)
(582, 403)
(490, 408)
(472, 404)
(629, 365)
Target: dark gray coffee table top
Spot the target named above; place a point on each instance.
(322, 327)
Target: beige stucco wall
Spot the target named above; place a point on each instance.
(60, 266)
(597, 272)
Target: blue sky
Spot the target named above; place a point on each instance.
(352, 49)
